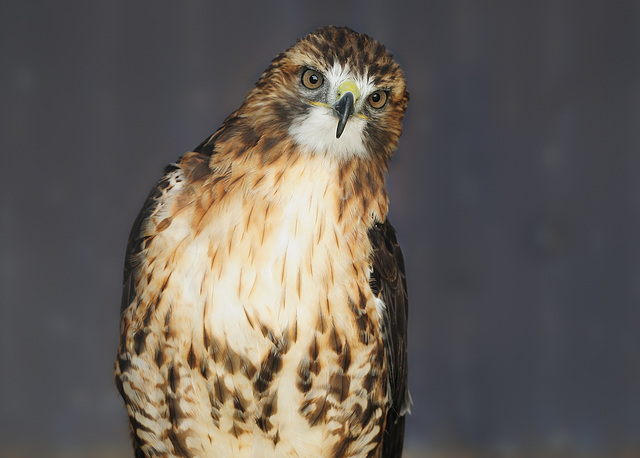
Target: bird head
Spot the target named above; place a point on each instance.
(334, 92)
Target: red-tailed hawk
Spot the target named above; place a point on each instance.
(264, 309)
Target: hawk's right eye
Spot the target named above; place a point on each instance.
(312, 79)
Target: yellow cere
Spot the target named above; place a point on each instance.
(349, 86)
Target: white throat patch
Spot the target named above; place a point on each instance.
(316, 132)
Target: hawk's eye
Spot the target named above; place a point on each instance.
(378, 99)
(312, 79)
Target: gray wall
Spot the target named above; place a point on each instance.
(515, 191)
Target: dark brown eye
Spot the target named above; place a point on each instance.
(312, 79)
(378, 99)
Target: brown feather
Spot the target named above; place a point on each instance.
(249, 318)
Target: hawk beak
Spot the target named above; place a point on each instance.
(344, 107)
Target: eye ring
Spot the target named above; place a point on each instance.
(378, 99)
(312, 79)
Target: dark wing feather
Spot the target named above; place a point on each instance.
(188, 169)
(388, 282)
(192, 167)
(137, 237)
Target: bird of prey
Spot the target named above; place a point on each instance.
(264, 307)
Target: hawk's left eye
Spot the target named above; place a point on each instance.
(378, 99)
(312, 79)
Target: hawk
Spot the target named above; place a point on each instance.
(264, 306)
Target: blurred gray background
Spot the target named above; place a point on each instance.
(515, 192)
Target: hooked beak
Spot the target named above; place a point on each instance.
(344, 107)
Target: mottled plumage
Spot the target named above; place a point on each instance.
(264, 307)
